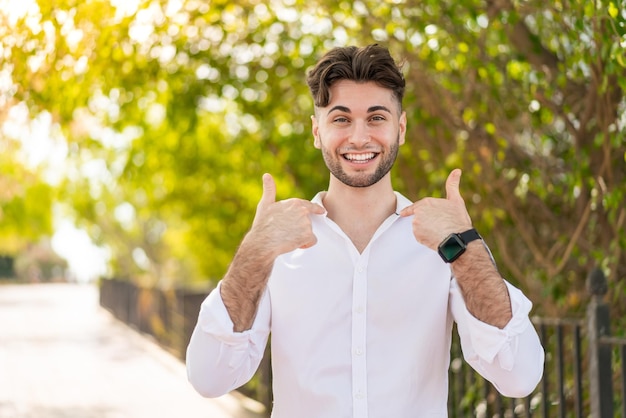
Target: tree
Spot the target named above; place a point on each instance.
(25, 203)
(181, 106)
(529, 99)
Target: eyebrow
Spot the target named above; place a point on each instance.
(369, 110)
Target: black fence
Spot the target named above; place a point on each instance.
(168, 316)
(561, 393)
(7, 270)
(584, 371)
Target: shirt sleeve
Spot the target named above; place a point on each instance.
(218, 359)
(512, 357)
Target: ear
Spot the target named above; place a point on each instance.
(315, 130)
(402, 128)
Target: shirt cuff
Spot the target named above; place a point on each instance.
(235, 347)
(215, 320)
(489, 342)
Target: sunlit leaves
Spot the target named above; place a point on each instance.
(25, 205)
(182, 105)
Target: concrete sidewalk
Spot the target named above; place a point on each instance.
(62, 356)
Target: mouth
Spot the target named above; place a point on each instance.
(360, 158)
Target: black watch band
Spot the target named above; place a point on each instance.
(469, 236)
(455, 244)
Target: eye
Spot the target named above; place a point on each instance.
(340, 119)
(378, 118)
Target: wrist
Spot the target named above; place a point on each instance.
(258, 246)
(455, 245)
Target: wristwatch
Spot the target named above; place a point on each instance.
(455, 244)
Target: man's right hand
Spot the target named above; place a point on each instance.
(285, 225)
(278, 228)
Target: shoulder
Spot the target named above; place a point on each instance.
(402, 202)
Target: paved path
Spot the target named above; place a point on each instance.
(62, 356)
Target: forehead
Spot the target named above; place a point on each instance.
(360, 95)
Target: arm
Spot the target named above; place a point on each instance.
(510, 357)
(229, 339)
(219, 360)
(497, 337)
(278, 228)
(245, 281)
(483, 288)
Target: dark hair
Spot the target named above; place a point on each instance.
(369, 63)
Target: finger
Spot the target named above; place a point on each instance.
(452, 185)
(307, 205)
(309, 244)
(269, 191)
(315, 209)
(408, 211)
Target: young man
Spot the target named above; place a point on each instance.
(360, 287)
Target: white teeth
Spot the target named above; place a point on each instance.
(360, 157)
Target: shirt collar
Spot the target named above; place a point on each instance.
(401, 201)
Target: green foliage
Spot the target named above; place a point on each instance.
(25, 203)
(181, 106)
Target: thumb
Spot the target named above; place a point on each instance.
(452, 185)
(269, 190)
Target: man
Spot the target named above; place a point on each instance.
(360, 287)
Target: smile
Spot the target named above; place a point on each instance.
(360, 158)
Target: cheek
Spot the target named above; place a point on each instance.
(331, 139)
(322, 140)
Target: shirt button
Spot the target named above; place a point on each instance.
(359, 395)
(359, 269)
(359, 309)
(358, 351)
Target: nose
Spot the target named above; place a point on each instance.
(360, 134)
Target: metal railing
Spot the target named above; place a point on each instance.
(584, 363)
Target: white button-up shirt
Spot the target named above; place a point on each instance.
(362, 335)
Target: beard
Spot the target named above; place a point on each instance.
(361, 179)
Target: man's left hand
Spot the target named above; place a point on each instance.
(436, 218)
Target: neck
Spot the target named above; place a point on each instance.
(360, 210)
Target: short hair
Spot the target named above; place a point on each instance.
(359, 64)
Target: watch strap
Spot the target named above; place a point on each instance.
(469, 236)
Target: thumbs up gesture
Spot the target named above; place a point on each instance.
(435, 218)
(283, 226)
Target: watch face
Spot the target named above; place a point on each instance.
(451, 248)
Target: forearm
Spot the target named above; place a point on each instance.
(511, 358)
(245, 282)
(483, 288)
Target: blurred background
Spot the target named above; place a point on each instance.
(134, 133)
